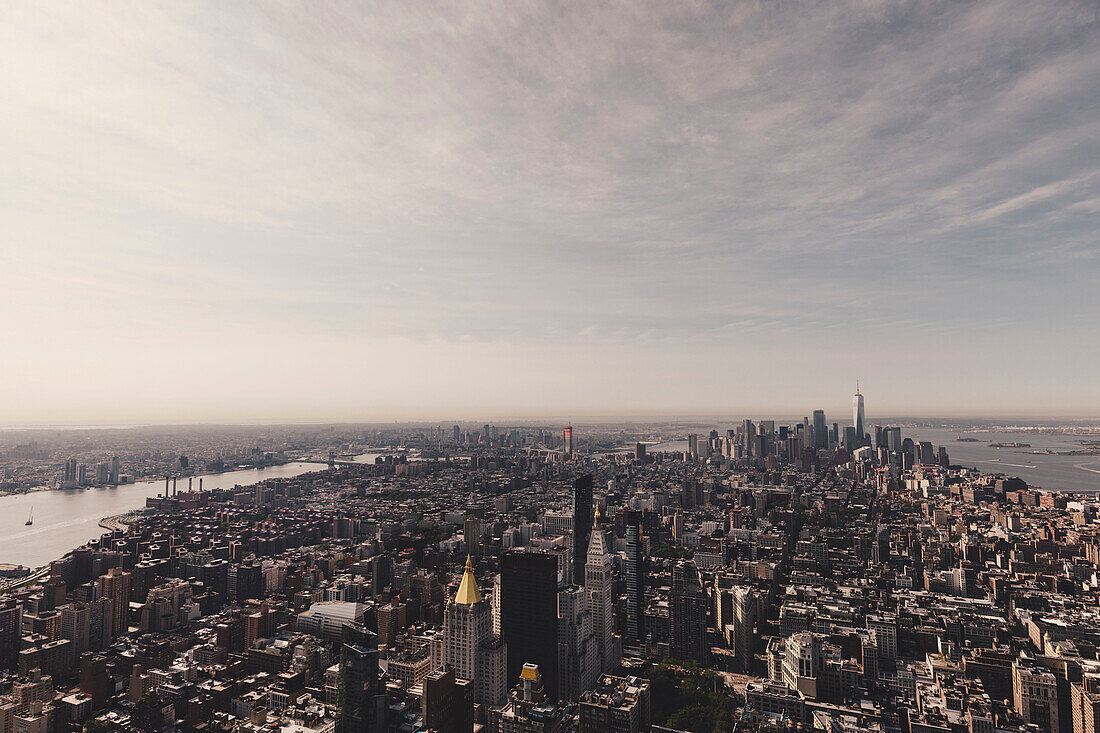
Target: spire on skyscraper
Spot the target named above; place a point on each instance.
(857, 415)
(468, 592)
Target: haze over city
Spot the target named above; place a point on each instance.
(295, 212)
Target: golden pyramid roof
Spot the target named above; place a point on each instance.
(468, 592)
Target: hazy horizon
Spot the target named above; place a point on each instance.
(582, 419)
(319, 212)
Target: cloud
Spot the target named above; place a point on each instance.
(849, 177)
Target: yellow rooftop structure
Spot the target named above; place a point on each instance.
(468, 592)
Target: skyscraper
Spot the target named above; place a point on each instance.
(567, 448)
(447, 704)
(821, 431)
(857, 416)
(529, 613)
(469, 645)
(744, 618)
(471, 536)
(360, 698)
(582, 524)
(687, 618)
(116, 586)
(635, 571)
(578, 656)
(76, 623)
(11, 626)
(599, 589)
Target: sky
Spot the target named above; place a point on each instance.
(390, 210)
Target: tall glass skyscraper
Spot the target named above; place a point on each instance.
(635, 571)
(582, 524)
(821, 433)
(529, 614)
(857, 416)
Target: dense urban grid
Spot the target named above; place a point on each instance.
(815, 575)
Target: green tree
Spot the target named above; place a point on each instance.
(688, 699)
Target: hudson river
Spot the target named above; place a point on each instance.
(64, 520)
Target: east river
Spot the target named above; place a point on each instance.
(64, 520)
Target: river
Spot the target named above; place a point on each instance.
(1054, 472)
(64, 520)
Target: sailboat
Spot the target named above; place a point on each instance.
(30, 518)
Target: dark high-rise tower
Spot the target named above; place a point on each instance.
(529, 613)
(857, 416)
(360, 698)
(688, 615)
(582, 524)
(471, 535)
(11, 625)
(635, 572)
(821, 432)
(893, 439)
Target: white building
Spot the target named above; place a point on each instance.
(599, 590)
(469, 644)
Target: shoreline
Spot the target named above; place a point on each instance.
(81, 516)
(144, 479)
(115, 523)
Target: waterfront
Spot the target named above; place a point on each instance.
(64, 520)
(1045, 471)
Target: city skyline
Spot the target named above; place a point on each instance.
(705, 366)
(546, 579)
(317, 213)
